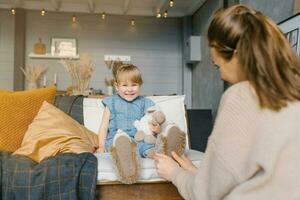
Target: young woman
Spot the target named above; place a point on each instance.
(253, 151)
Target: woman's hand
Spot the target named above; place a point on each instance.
(101, 149)
(165, 165)
(185, 163)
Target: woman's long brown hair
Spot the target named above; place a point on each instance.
(264, 54)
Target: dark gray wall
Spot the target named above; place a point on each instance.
(277, 10)
(207, 86)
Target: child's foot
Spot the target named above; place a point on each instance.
(173, 140)
(125, 156)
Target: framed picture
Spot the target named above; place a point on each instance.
(63, 46)
(291, 29)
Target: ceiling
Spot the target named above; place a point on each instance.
(119, 7)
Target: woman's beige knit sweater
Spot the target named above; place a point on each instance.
(252, 154)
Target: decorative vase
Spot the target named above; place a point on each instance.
(31, 85)
(80, 87)
(81, 73)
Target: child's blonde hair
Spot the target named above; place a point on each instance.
(128, 72)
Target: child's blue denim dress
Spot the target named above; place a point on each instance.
(123, 114)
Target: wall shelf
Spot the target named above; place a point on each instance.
(50, 56)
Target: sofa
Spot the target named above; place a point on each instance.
(64, 176)
(87, 111)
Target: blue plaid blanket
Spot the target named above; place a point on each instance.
(65, 176)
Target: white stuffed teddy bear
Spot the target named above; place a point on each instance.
(154, 116)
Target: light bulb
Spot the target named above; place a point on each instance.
(158, 15)
(13, 11)
(171, 3)
(103, 15)
(132, 22)
(74, 19)
(165, 14)
(43, 12)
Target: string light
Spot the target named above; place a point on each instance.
(132, 22)
(103, 15)
(43, 12)
(171, 3)
(166, 14)
(74, 19)
(158, 15)
(13, 11)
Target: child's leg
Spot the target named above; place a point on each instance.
(173, 139)
(124, 154)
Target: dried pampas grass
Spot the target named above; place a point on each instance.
(33, 74)
(113, 66)
(109, 82)
(80, 72)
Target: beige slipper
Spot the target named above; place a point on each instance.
(173, 140)
(124, 154)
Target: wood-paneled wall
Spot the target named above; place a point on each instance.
(154, 45)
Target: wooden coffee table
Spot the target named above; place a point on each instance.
(138, 191)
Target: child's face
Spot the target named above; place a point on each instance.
(128, 90)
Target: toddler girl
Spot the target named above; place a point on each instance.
(117, 129)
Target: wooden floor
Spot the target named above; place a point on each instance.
(141, 191)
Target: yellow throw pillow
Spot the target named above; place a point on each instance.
(52, 132)
(5, 91)
(17, 111)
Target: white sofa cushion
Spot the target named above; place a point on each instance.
(174, 110)
(107, 173)
(171, 106)
(92, 113)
